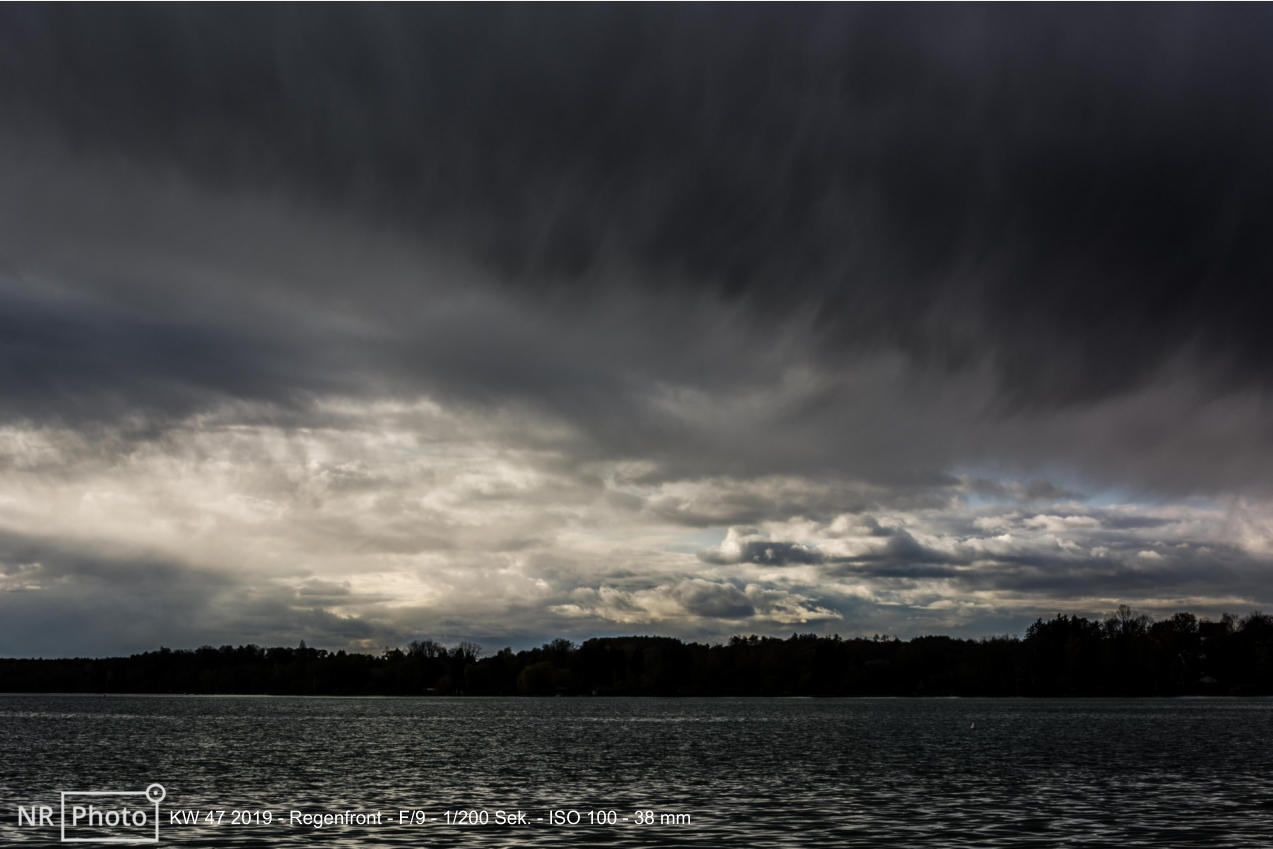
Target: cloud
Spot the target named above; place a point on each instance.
(58, 600)
(748, 545)
(503, 322)
(216, 302)
(960, 159)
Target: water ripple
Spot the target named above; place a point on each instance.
(748, 772)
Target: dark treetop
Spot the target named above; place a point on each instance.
(1126, 655)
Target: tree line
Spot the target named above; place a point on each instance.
(1125, 655)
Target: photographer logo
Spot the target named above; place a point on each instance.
(100, 816)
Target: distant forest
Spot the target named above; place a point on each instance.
(1125, 655)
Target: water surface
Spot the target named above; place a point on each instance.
(747, 772)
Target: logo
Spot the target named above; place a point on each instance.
(101, 816)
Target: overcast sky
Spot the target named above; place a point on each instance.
(368, 324)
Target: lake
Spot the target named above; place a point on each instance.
(645, 772)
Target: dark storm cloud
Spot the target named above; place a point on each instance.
(1034, 490)
(1076, 194)
(717, 502)
(1111, 559)
(59, 598)
(63, 359)
(765, 553)
(903, 548)
(716, 601)
(1181, 574)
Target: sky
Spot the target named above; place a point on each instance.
(368, 324)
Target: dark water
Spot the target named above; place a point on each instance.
(764, 772)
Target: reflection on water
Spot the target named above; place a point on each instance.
(761, 772)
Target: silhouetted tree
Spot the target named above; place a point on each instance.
(1126, 654)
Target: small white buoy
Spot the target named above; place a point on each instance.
(972, 725)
